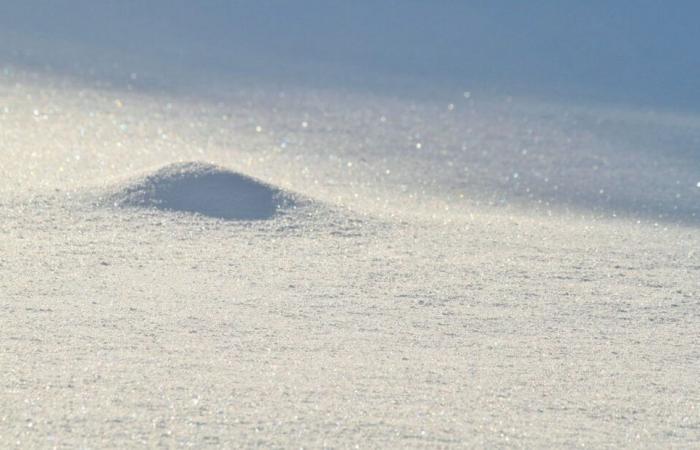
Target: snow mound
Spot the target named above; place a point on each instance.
(206, 189)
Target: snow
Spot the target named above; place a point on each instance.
(357, 251)
(205, 189)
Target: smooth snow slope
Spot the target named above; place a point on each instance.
(422, 309)
(197, 257)
(632, 51)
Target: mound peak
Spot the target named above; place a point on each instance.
(201, 188)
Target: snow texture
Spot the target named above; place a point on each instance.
(385, 224)
(202, 189)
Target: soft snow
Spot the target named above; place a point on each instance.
(204, 189)
(195, 253)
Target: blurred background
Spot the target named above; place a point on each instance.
(641, 52)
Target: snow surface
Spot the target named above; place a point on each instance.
(200, 188)
(203, 257)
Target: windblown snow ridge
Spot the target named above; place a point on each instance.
(205, 189)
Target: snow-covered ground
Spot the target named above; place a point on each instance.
(198, 252)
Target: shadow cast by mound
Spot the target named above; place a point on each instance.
(203, 189)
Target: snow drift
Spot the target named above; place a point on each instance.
(206, 189)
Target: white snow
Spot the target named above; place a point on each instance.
(194, 253)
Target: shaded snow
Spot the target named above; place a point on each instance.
(202, 189)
